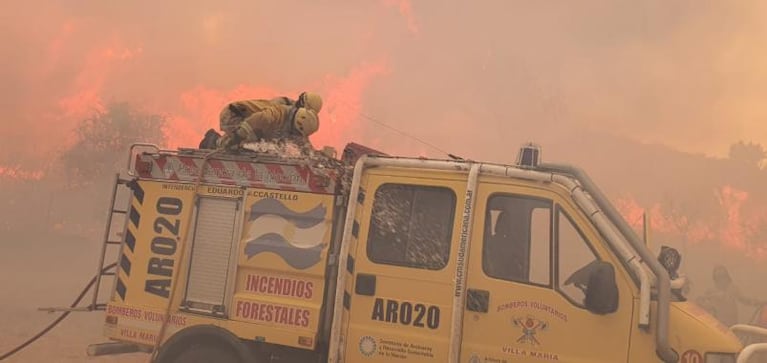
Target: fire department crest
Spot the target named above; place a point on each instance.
(530, 327)
(368, 346)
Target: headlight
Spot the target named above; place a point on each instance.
(720, 358)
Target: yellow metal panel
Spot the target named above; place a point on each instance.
(527, 323)
(282, 258)
(141, 325)
(693, 332)
(408, 318)
(157, 221)
(281, 264)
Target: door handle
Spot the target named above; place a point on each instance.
(365, 285)
(477, 300)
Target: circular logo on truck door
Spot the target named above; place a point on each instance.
(692, 356)
(367, 346)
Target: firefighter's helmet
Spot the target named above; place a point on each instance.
(310, 100)
(306, 121)
(721, 274)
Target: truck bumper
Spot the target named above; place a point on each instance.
(100, 349)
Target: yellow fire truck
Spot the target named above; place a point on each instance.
(258, 257)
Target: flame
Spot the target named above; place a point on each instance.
(662, 221)
(343, 105)
(89, 83)
(85, 65)
(631, 211)
(195, 110)
(733, 232)
(198, 108)
(17, 173)
(737, 228)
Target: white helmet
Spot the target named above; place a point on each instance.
(306, 121)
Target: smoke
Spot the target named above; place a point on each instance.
(185, 60)
(644, 95)
(406, 10)
(739, 226)
(469, 79)
(685, 74)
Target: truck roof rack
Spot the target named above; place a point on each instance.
(316, 172)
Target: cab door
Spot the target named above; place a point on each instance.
(525, 301)
(399, 302)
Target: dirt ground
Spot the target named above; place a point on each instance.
(43, 269)
(49, 248)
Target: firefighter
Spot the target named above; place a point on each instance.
(256, 120)
(722, 301)
(308, 100)
(231, 116)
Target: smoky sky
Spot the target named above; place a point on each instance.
(472, 77)
(589, 80)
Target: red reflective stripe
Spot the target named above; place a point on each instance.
(278, 177)
(217, 171)
(160, 162)
(274, 169)
(247, 169)
(190, 164)
(269, 176)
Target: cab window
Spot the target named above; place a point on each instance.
(411, 225)
(575, 257)
(517, 239)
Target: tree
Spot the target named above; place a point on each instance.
(750, 155)
(103, 139)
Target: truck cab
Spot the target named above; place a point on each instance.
(374, 258)
(517, 265)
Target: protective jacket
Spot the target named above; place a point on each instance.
(723, 303)
(255, 120)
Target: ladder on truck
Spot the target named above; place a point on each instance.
(102, 270)
(106, 242)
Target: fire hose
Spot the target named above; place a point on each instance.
(59, 319)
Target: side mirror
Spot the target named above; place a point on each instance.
(602, 291)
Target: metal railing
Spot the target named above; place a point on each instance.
(132, 156)
(750, 350)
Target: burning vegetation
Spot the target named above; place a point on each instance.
(732, 217)
(89, 80)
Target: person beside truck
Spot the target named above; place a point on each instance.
(722, 300)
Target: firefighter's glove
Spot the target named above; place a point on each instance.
(229, 141)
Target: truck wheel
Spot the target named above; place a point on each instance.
(206, 353)
(204, 344)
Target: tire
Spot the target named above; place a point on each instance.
(206, 353)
